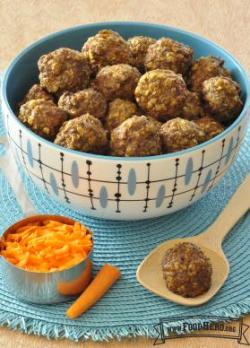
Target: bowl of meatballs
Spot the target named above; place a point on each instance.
(124, 120)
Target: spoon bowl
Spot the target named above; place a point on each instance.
(149, 273)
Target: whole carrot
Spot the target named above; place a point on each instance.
(104, 279)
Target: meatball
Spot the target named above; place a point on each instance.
(138, 46)
(179, 134)
(117, 81)
(86, 101)
(203, 69)
(157, 123)
(106, 48)
(187, 270)
(210, 126)
(137, 136)
(84, 133)
(192, 107)
(168, 54)
(222, 98)
(161, 93)
(37, 92)
(119, 110)
(43, 117)
(63, 70)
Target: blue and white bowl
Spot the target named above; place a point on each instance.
(116, 187)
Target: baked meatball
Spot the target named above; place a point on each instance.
(43, 117)
(168, 54)
(179, 134)
(37, 92)
(84, 133)
(210, 126)
(86, 101)
(157, 123)
(138, 46)
(222, 98)
(187, 270)
(203, 69)
(161, 93)
(63, 70)
(192, 108)
(137, 136)
(119, 110)
(106, 48)
(117, 81)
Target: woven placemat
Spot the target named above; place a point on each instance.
(128, 309)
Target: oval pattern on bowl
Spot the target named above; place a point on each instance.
(229, 151)
(131, 181)
(103, 197)
(75, 174)
(29, 153)
(189, 171)
(160, 196)
(53, 183)
(207, 180)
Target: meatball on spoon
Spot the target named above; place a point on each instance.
(149, 272)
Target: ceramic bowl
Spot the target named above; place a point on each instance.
(116, 187)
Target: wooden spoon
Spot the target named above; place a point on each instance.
(149, 272)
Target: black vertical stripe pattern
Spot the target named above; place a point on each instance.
(62, 178)
(218, 166)
(177, 162)
(41, 167)
(147, 182)
(22, 151)
(237, 144)
(118, 193)
(90, 190)
(199, 175)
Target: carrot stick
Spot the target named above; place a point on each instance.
(77, 285)
(104, 279)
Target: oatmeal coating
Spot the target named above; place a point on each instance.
(86, 101)
(187, 270)
(179, 134)
(63, 70)
(161, 93)
(119, 110)
(137, 136)
(117, 81)
(222, 98)
(157, 123)
(84, 133)
(192, 108)
(106, 48)
(43, 117)
(168, 54)
(210, 126)
(138, 46)
(37, 92)
(203, 69)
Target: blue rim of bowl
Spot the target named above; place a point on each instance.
(98, 26)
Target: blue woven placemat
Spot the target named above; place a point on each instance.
(128, 309)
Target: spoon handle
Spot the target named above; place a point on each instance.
(237, 206)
